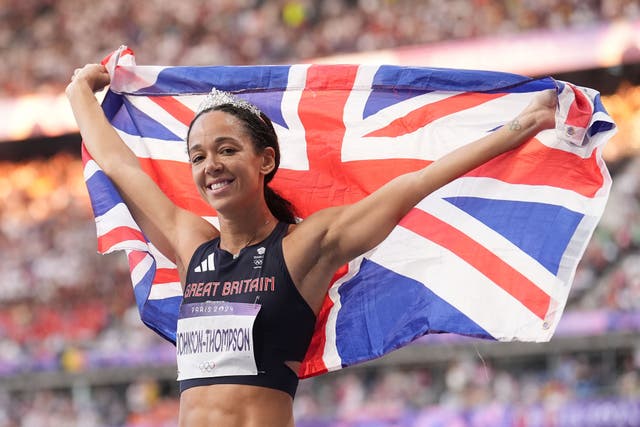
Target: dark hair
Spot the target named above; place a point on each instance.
(262, 135)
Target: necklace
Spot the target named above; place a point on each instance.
(246, 245)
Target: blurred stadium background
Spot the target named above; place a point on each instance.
(72, 349)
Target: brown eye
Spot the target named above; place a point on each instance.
(227, 151)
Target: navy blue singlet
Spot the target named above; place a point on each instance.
(258, 275)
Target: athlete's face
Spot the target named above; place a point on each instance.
(226, 168)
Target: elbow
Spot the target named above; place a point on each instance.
(109, 166)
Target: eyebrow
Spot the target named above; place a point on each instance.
(219, 140)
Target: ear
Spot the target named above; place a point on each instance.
(268, 160)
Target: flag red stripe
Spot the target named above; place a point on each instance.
(166, 275)
(580, 111)
(135, 257)
(178, 110)
(321, 111)
(534, 163)
(483, 260)
(124, 52)
(85, 154)
(117, 235)
(422, 116)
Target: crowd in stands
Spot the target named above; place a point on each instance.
(609, 274)
(562, 391)
(467, 391)
(43, 41)
(57, 295)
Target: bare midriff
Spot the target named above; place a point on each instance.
(234, 405)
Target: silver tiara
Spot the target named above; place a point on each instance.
(219, 97)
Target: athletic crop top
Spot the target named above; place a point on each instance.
(242, 317)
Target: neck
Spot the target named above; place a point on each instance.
(239, 231)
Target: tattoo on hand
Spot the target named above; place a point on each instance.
(515, 125)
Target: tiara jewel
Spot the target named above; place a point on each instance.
(219, 97)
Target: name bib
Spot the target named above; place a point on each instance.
(215, 339)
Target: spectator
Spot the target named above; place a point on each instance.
(38, 37)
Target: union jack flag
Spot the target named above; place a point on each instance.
(491, 255)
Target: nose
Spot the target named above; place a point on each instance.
(212, 166)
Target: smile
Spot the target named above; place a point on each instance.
(218, 185)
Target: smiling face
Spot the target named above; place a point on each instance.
(227, 169)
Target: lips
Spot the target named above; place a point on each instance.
(218, 185)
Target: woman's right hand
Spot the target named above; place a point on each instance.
(95, 76)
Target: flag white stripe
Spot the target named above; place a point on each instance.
(135, 245)
(141, 269)
(292, 141)
(573, 253)
(161, 291)
(117, 216)
(330, 356)
(135, 77)
(158, 149)
(90, 168)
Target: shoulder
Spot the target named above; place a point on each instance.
(314, 232)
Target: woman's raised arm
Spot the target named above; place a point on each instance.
(174, 231)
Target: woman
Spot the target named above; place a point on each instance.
(259, 271)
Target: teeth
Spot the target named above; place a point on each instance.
(217, 185)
